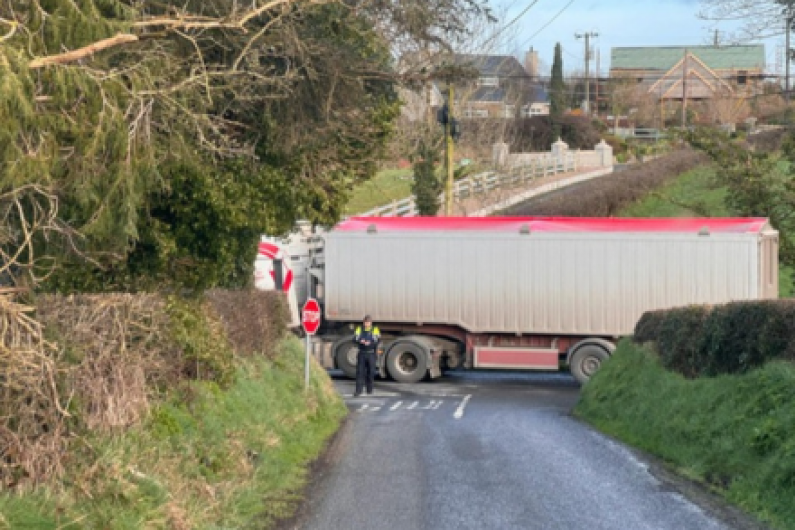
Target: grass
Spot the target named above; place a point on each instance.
(692, 194)
(735, 434)
(387, 186)
(207, 458)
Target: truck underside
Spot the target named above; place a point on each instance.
(409, 353)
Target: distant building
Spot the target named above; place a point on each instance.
(504, 88)
(695, 72)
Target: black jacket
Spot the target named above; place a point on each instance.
(372, 336)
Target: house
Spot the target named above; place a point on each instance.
(672, 73)
(502, 88)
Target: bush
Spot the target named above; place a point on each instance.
(743, 335)
(254, 321)
(678, 339)
(648, 327)
(728, 339)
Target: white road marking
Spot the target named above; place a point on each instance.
(364, 407)
(375, 409)
(459, 412)
(413, 405)
(434, 404)
(396, 405)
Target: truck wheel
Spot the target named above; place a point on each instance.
(407, 362)
(345, 353)
(586, 361)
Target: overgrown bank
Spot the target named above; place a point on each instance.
(734, 433)
(160, 412)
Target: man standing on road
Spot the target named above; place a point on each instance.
(366, 338)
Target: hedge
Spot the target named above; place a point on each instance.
(733, 338)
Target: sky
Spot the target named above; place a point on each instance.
(618, 23)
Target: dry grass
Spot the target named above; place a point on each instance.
(98, 363)
(32, 416)
(254, 321)
(122, 352)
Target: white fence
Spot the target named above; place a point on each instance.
(540, 190)
(485, 182)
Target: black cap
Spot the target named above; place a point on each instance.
(367, 318)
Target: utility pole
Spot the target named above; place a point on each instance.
(448, 139)
(587, 37)
(684, 90)
(596, 86)
(787, 55)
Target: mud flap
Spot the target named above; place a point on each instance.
(435, 369)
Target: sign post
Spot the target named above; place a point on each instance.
(310, 320)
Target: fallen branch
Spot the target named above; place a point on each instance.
(82, 53)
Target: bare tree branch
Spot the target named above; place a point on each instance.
(82, 53)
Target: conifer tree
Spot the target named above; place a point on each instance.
(557, 94)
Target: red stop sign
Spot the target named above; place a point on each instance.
(310, 316)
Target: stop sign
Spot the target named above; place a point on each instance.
(310, 316)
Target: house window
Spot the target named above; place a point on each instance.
(489, 81)
(742, 77)
(476, 113)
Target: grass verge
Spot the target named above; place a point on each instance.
(733, 433)
(693, 193)
(387, 186)
(206, 458)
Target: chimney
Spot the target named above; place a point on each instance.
(531, 63)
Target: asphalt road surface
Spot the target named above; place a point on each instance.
(493, 451)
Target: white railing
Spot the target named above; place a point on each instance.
(483, 183)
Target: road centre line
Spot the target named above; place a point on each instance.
(396, 405)
(459, 412)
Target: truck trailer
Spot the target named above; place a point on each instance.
(523, 293)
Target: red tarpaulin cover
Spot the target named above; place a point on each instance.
(554, 224)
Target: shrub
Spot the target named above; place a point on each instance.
(254, 321)
(727, 339)
(678, 339)
(743, 335)
(648, 327)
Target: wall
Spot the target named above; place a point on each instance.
(600, 156)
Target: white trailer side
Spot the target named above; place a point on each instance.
(524, 277)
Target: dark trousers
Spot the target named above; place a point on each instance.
(365, 371)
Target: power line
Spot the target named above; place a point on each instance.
(509, 24)
(553, 19)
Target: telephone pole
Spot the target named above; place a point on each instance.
(587, 37)
(449, 129)
(684, 89)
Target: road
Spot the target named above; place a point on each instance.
(493, 451)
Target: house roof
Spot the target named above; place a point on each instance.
(539, 94)
(664, 57)
(492, 65)
(488, 94)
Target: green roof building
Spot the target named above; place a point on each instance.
(746, 57)
(692, 72)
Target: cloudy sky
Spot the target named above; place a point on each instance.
(618, 23)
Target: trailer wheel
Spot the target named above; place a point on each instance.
(407, 362)
(345, 353)
(586, 360)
